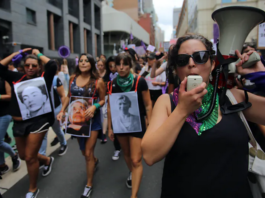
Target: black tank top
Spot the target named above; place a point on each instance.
(213, 165)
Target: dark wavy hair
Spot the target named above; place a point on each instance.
(93, 71)
(110, 59)
(173, 59)
(127, 60)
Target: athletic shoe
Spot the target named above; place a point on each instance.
(104, 139)
(129, 181)
(16, 162)
(33, 194)
(63, 150)
(87, 192)
(4, 170)
(47, 169)
(55, 141)
(14, 147)
(96, 164)
(116, 155)
(41, 165)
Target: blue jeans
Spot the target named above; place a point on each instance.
(58, 131)
(4, 147)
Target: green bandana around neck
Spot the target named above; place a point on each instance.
(211, 120)
(125, 83)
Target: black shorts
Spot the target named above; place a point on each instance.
(155, 94)
(34, 125)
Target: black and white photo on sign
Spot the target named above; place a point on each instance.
(33, 98)
(77, 123)
(125, 113)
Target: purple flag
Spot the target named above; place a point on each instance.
(215, 32)
(131, 36)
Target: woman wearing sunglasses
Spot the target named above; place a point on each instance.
(30, 133)
(87, 83)
(207, 159)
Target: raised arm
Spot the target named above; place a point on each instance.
(8, 59)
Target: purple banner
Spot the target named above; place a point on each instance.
(215, 32)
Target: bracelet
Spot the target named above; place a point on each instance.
(39, 55)
(0, 96)
(61, 111)
(97, 105)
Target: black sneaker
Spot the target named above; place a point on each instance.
(87, 192)
(55, 141)
(104, 139)
(16, 162)
(63, 150)
(41, 165)
(4, 170)
(96, 164)
(33, 194)
(129, 181)
(47, 169)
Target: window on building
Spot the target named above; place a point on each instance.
(87, 41)
(87, 11)
(74, 38)
(5, 4)
(56, 3)
(97, 17)
(226, 1)
(73, 8)
(55, 31)
(241, 0)
(31, 16)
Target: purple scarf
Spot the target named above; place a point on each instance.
(191, 119)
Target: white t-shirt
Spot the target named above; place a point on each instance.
(149, 80)
(164, 66)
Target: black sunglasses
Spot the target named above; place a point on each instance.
(199, 57)
(33, 65)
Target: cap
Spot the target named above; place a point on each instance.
(151, 56)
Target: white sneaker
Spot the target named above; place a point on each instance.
(116, 155)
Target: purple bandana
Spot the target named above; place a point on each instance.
(191, 119)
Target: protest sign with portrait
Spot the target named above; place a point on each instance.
(33, 98)
(78, 123)
(125, 115)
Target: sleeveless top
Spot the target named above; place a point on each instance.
(213, 165)
(86, 91)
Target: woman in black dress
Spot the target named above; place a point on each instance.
(207, 159)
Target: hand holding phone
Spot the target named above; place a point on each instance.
(193, 81)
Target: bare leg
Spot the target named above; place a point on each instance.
(89, 156)
(137, 167)
(125, 146)
(32, 146)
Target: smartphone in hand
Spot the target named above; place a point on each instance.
(193, 81)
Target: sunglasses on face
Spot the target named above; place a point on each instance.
(199, 57)
(81, 60)
(28, 65)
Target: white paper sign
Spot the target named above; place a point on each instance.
(151, 48)
(125, 114)
(261, 36)
(132, 46)
(33, 98)
(78, 124)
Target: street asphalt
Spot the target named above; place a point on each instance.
(68, 177)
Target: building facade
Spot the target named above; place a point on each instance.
(176, 14)
(199, 18)
(49, 24)
(159, 38)
(129, 7)
(146, 21)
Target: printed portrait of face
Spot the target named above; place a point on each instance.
(77, 114)
(33, 98)
(124, 104)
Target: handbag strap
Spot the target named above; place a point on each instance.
(232, 99)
